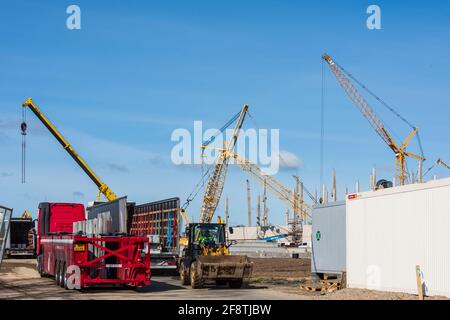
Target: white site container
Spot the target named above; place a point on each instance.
(391, 231)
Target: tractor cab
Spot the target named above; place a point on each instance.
(206, 239)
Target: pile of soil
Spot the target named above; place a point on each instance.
(287, 269)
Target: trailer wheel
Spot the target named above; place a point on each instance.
(57, 278)
(63, 281)
(196, 281)
(235, 284)
(184, 275)
(39, 266)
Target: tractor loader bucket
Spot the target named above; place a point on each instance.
(224, 267)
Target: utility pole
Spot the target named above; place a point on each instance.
(298, 200)
(258, 212)
(264, 201)
(297, 226)
(301, 203)
(419, 172)
(227, 216)
(249, 205)
(334, 190)
(373, 179)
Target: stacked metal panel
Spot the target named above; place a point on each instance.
(109, 217)
(390, 231)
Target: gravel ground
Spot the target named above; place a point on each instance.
(272, 279)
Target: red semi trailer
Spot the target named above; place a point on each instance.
(80, 261)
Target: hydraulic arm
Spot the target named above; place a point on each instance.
(102, 187)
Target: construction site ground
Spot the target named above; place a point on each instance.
(273, 278)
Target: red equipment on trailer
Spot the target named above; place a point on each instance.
(79, 261)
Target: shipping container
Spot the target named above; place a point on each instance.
(20, 241)
(328, 238)
(159, 221)
(390, 231)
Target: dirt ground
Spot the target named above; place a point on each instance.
(280, 268)
(272, 279)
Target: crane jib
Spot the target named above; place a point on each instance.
(107, 192)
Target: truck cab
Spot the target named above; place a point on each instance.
(57, 218)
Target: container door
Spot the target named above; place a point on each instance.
(5, 218)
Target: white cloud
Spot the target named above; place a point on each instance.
(289, 160)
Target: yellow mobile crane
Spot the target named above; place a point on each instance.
(102, 187)
(399, 149)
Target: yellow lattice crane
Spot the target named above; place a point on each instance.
(102, 187)
(216, 180)
(399, 149)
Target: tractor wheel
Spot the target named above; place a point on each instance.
(235, 284)
(196, 281)
(184, 275)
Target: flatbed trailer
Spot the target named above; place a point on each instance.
(79, 261)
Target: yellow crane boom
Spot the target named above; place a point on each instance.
(443, 163)
(274, 186)
(102, 187)
(277, 188)
(361, 103)
(216, 181)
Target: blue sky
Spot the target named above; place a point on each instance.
(137, 70)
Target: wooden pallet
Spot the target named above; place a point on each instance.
(325, 286)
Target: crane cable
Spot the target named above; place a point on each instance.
(322, 125)
(23, 128)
